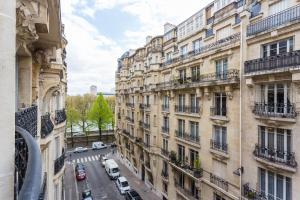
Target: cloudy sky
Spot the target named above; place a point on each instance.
(99, 31)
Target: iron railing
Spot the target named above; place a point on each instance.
(144, 125)
(165, 129)
(43, 188)
(60, 116)
(187, 137)
(275, 110)
(220, 182)
(252, 194)
(275, 155)
(164, 152)
(269, 23)
(144, 106)
(28, 164)
(131, 105)
(272, 63)
(27, 119)
(59, 163)
(165, 107)
(219, 146)
(209, 32)
(218, 111)
(46, 125)
(131, 120)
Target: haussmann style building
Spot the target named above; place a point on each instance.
(210, 109)
(33, 86)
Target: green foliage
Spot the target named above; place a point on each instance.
(72, 113)
(197, 164)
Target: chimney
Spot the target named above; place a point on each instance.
(148, 38)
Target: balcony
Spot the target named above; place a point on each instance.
(275, 110)
(144, 125)
(164, 174)
(165, 129)
(272, 64)
(131, 105)
(189, 170)
(144, 106)
(129, 119)
(146, 145)
(219, 146)
(252, 194)
(276, 156)
(188, 137)
(60, 116)
(209, 33)
(187, 109)
(218, 111)
(28, 163)
(59, 163)
(218, 181)
(46, 125)
(272, 22)
(43, 188)
(164, 152)
(188, 194)
(165, 108)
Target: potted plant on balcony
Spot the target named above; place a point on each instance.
(173, 156)
(197, 170)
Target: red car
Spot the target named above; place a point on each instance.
(80, 175)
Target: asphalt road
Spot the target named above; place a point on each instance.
(97, 179)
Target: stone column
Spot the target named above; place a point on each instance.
(7, 96)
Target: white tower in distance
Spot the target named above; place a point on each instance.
(93, 90)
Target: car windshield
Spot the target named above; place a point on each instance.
(124, 184)
(115, 170)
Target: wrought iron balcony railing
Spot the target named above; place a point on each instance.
(275, 155)
(218, 111)
(252, 194)
(144, 106)
(274, 21)
(187, 137)
(274, 110)
(131, 120)
(165, 107)
(27, 119)
(164, 152)
(219, 146)
(59, 163)
(144, 125)
(131, 105)
(46, 125)
(220, 182)
(282, 61)
(187, 109)
(60, 116)
(28, 163)
(165, 129)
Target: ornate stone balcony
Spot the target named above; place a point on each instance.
(165, 108)
(188, 194)
(60, 116)
(220, 182)
(274, 110)
(283, 18)
(273, 64)
(46, 125)
(278, 157)
(59, 163)
(252, 194)
(187, 137)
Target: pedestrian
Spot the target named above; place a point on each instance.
(70, 156)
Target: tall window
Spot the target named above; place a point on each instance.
(194, 130)
(147, 119)
(165, 144)
(181, 153)
(220, 104)
(184, 50)
(181, 103)
(194, 103)
(166, 123)
(147, 139)
(275, 186)
(147, 100)
(181, 127)
(196, 44)
(279, 47)
(195, 73)
(169, 56)
(220, 138)
(182, 75)
(165, 166)
(221, 69)
(275, 142)
(165, 102)
(194, 155)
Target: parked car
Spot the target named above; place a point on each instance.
(79, 166)
(87, 195)
(132, 195)
(80, 175)
(122, 184)
(98, 145)
(112, 169)
(80, 149)
(103, 160)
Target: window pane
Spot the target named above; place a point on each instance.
(262, 181)
(283, 46)
(279, 187)
(271, 184)
(273, 49)
(288, 189)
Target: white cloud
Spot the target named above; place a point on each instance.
(92, 57)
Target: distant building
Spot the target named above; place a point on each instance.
(93, 90)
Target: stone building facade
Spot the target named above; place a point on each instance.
(33, 89)
(208, 110)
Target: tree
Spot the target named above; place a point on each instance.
(72, 115)
(111, 100)
(100, 114)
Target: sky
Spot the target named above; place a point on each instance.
(100, 31)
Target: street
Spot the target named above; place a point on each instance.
(97, 180)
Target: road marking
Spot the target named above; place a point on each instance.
(93, 158)
(89, 158)
(78, 160)
(82, 160)
(85, 159)
(73, 161)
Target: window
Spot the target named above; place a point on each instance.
(193, 189)
(218, 197)
(220, 138)
(165, 102)
(147, 100)
(221, 68)
(181, 127)
(197, 44)
(279, 6)
(279, 47)
(199, 20)
(147, 119)
(275, 142)
(165, 144)
(181, 103)
(182, 75)
(220, 104)
(147, 139)
(56, 191)
(166, 123)
(275, 186)
(189, 26)
(181, 153)
(275, 98)
(194, 103)
(183, 50)
(194, 131)
(168, 56)
(194, 155)
(195, 73)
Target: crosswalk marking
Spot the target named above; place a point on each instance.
(82, 160)
(85, 159)
(89, 158)
(93, 158)
(77, 160)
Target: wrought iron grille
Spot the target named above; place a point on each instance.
(26, 118)
(46, 125)
(60, 116)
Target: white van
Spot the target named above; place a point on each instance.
(98, 145)
(112, 169)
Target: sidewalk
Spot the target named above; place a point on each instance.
(134, 182)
